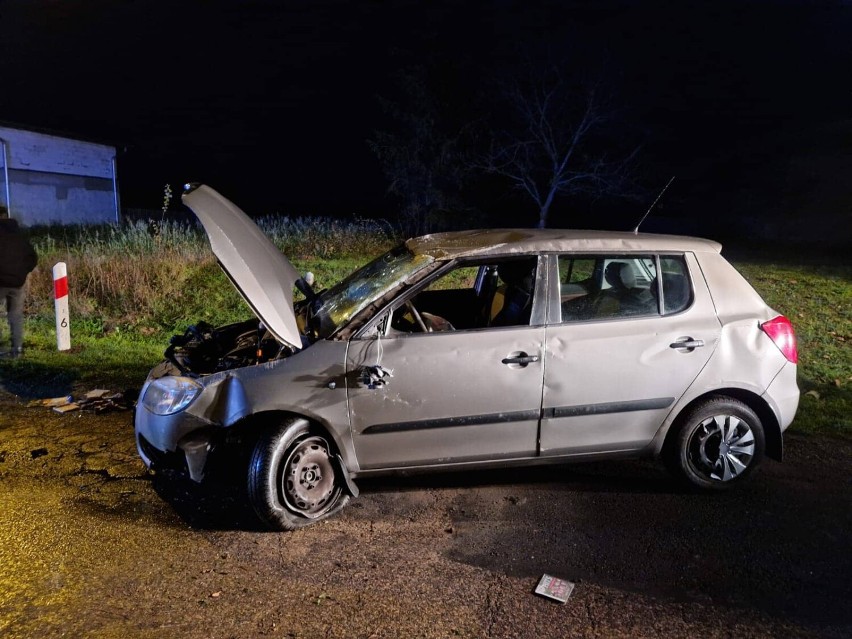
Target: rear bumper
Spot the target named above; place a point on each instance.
(783, 395)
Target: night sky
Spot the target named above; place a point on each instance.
(272, 102)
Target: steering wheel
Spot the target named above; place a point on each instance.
(417, 317)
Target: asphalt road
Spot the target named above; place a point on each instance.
(91, 545)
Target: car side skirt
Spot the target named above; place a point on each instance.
(520, 462)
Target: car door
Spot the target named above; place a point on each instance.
(614, 368)
(453, 395)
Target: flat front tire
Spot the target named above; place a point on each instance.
(293, 480)
(718, 443)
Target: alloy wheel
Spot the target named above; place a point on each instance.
(722, 447)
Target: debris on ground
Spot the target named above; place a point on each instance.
(66, 408)
(50, 403)
(98, 400)
(554, 588)
(97, 393)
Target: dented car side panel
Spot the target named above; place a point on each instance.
(746, 359)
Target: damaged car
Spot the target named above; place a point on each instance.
(466, 350)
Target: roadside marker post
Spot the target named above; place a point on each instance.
(60, 303)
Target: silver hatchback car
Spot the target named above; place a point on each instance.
(472, 349)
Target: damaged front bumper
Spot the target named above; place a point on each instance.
(176, 442)
(182, 440)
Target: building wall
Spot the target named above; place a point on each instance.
(57, 180)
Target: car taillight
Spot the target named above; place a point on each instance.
(780, 331)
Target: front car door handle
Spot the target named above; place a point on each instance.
(521, 359)
(688, 343)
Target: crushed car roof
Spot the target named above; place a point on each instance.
(508, 241)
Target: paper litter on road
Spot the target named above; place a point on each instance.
(554, 588)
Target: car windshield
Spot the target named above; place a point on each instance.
(344, 300)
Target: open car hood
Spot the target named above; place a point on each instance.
(259, 271)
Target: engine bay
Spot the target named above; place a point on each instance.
(204, 350)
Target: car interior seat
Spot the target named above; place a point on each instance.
(516, 293)
(622, 280)
(620, 276)
(491, 300)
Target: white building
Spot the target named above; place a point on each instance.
(48, 179)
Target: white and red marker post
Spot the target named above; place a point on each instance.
(60, 302)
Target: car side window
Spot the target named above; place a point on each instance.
(471, 296)
(677, 288)
(607, 286)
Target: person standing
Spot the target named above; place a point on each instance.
(17, 259)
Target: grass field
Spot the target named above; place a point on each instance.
(818, 300)
(132, 288)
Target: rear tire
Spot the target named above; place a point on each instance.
(717, 444)
(293, 480)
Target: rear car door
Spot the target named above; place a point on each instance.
(621, 348)
(467, 391)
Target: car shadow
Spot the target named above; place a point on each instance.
(222, 503)
(214, 505)
(604, 477)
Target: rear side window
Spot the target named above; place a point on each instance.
(594, 287)
(677, 290)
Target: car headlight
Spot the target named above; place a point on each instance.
(169, 395)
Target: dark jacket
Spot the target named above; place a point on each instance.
(17, 255)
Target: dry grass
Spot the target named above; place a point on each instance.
(157, 275)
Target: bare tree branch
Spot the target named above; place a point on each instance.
(552, 151)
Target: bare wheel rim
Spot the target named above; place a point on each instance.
(307, 481)
(722, 447)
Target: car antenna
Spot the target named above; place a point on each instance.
(650, 208)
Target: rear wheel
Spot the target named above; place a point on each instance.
(718, 444)
(293, 479)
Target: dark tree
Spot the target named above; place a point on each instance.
(422, 155)
(559, 141)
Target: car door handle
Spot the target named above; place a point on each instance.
(687, 343)
(521, 358)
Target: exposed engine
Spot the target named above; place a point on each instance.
(203, 350)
